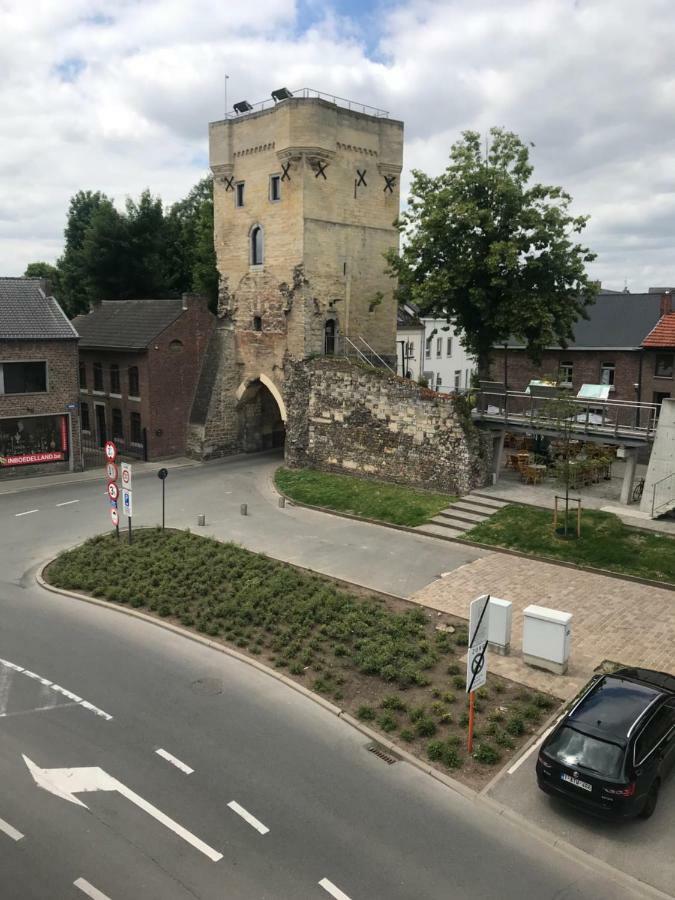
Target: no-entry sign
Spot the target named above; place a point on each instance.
(110, 451)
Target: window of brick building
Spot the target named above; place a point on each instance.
(117, 427)
(275, 188)
(98, 376)
(566, 373)
(134, 390)
(83, 377)
(239, 194)
(23, 378)
(607, 373)
(84, 417)
(114, 379)
(663, 367)
(136, 430)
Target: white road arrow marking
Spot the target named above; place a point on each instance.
(65, 783)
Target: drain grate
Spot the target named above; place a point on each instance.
(382, 754)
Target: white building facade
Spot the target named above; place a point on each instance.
(431, 349)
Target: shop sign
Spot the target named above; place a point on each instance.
(28, 459)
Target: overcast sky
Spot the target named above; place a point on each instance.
(117, 97)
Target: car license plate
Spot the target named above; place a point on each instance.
(584, 785)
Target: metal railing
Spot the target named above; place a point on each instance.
(360, 349)
(612, 419)
(664, 490)
(306, 93)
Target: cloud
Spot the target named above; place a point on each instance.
(117, 97)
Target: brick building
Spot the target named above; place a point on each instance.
(659, 356)
(39, 422)
(607, 348)
(139, 366)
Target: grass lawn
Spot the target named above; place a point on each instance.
(393, 664)
(373, 499)
(605, 541)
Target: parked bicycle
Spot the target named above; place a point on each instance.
(638, 489)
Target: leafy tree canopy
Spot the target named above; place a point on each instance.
(140, 251)
(491, 252)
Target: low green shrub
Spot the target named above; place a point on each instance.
(543, 701)
(453, 669)
(407, 735)
(417, 713)
(502, 738)
(515, 726)
(449, 697)
(365, 713)
(459, 682)
(487, 754)
(387, 722)
(425, 728)
(393, 702)
(435, 750)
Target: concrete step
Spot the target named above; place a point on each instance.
(466, 506)
(487, 500)
(451, 524)
(440, 531)
(468, 518)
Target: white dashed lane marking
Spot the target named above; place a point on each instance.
(67, 502)
(90, 890)
(330, 888)
(27, 513)
(10, 831)
(247, 817)
(174, 762)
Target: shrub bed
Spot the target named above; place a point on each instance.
(385, 661)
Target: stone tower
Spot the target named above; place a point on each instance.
(305, 196)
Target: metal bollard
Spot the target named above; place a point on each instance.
(244, 509)
(282, 502)
(201, 519)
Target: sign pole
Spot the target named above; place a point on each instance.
(129, 529)
(469, 746)
(163, 481)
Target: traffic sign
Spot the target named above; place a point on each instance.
(476, 658)
(113, 490)
(111, 471)
(127, 506)
(110, 451)
(114, 516)
(126, 475)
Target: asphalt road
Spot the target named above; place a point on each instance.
(282, 801)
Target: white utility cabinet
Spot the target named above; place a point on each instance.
(546, 638)
(499, 625)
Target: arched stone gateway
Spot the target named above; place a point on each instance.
(262, 415)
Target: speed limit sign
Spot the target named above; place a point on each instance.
(110, 451)
(113, 491)
(114, 516)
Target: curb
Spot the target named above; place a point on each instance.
(489, 548)
(535, 831)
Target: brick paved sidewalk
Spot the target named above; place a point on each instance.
(613, 619)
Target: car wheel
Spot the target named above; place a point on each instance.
(651, 801)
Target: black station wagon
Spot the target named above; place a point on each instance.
(614, 749)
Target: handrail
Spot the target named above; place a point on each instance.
(376, 354)
(671, 497)
(305, 93)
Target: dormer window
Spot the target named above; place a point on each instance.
(256, 246)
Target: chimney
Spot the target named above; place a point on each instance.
(666, 303)
(46, 287)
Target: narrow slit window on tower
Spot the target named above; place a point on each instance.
(257, 323)
(257, 246)
(239, 193)
(275, 188)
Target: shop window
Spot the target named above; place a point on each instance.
(257, 246)
(134, 390)
(439, 348)
(23, 378)
(275, 188)
(83, 376)
(32, 440)
(448, 348)
(117, 427)
(239, 194)
(114, 379)
(84, 417)
(98, 376)
(566, 374)
(663, 367)
(607, 373)
(136, 430)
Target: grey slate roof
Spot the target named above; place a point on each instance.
(407, 316)
(616, 322)
(126, 324)
(27, 313)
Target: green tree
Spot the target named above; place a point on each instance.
(192, 260)
(492, 253)
(42, 270)
(74, 282)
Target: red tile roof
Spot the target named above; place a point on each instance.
(663, 333)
